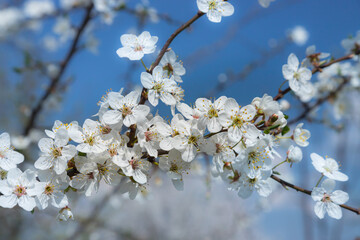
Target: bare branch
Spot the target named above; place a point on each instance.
(55, 80)
(308, 192)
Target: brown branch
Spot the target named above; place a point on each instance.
(318, 69)
(143, 97)
(320, 101)
(308, 192)
(172, 37)
(55, 80)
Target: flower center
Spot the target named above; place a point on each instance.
(113, 152)
(192, 140)
(174, 167)
(149, 135)
(158, 87)
(105, 129)
(212, 112)
(20, 191)
(257, 158)
(326, 198)
(90, 140)
(49, 189)
(134, 163)
(138, 48)
(303, 136)
(102, 169)
(252, 181)
(126, 111)
(212, 5)
(238, 121)
(219, 148)
(296, 75)
(56, 152)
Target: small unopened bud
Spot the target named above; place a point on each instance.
(274, 118)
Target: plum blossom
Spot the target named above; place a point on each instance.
(328, 167)
(133, 166)
(174, 167)
(171, 67)
(125, 110)
(294, 154)
(19, 188)
(88, 137)
(327, 200)
(38, 8)
(210, 113)
(258, 182)
(238, 120)
(265, 3)
(215, 9)
(53, 190)
(135, 47)
(297, 77)
(159, 87)
(301, 135)
(55, 153)
(8, 157)
(299, 35)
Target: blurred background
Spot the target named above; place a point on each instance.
(241, 58)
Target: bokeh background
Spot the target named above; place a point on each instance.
(245, 52)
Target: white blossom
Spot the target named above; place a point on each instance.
(327, 200)
(328, 167)
(19, 188)
(215, 9)
(8, 157)
(135, 47)
(159, 87)
(301, 135)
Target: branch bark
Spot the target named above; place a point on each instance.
(55, 80)
(282, 93)
(308, 192)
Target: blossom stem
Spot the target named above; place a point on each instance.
(318, 182)
(282, 84)
(144, 65)
(279, 164)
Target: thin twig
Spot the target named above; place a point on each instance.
(317, 69)
(320, 101)
(55, 80)
(143, 97)
(308, 192)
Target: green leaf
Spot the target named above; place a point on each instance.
(27, 59)
(17, 70)
(286, 116)
(285, 130)
(276, 173)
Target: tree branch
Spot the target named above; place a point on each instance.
(143, 97)
(320, 101)
(318, 69)
(308, 192)
(55, 80)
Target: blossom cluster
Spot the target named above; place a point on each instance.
(128, 138)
